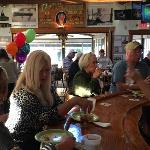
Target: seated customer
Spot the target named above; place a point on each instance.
(6, 141)
(85, 82)
(133, 55)
(74, 68)
(4, 104)
(33, 104)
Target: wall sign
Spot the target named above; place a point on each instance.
(75, 14)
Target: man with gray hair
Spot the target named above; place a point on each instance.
(133, 55)
(67, 61)
(147, 59)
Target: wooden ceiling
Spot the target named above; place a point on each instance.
(67, 1)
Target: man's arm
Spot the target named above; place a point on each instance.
(144, 85)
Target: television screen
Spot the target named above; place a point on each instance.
(146, 12)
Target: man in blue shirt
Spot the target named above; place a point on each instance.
(133, 55)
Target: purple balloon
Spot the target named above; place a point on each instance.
(21, 57)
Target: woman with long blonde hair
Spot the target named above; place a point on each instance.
(34, 104)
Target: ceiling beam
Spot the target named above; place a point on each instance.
(66, 1)
(68, 30)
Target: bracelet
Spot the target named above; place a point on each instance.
(47, 146)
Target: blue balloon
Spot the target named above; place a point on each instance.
(25, 49)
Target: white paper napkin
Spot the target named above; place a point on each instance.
(102, 124)
(105, 104)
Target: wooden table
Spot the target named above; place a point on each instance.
(123, 114)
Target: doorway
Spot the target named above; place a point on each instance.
(51, 44)
(93, 40)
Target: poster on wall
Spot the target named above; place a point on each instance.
(5, 20)
(118, 50)
(99, 16)
(24, 16)
(74, 14)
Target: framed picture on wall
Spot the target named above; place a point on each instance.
(117, 57)
(99, 16)
(24, 16)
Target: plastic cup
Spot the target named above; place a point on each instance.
(92, 141)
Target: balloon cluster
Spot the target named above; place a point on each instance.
(20, 47)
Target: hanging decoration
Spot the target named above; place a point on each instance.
(20, 48)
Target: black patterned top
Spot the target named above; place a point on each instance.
(27, 115)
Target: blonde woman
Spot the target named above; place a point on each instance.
(85, 82)
(33, 104)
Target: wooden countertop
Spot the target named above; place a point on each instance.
(123, 114)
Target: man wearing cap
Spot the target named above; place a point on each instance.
(147, 59)
(133, 55)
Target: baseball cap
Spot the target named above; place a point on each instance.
(72, 51)
(132, 45)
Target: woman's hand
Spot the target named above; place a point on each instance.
(97, 73)
(67, 143)
(85, 105)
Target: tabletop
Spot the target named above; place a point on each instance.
(123, 111)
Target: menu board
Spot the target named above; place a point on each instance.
(75, 14)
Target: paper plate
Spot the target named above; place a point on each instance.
(90, 118)
(52, 135)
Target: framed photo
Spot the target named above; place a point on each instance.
(24, 16)
(123, 14)
(5, 16)
(118, 57)
(99, 16)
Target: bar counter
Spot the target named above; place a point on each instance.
(123, 113)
